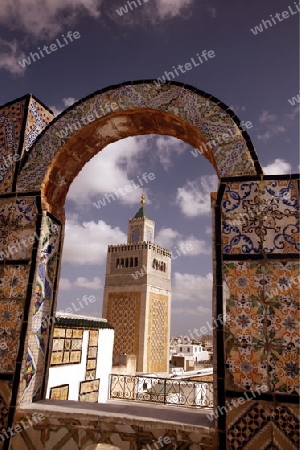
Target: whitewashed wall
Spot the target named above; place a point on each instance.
(73, 374)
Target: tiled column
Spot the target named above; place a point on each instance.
(260, 249)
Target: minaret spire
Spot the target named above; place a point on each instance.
(143, 199)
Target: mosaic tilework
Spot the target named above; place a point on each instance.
(262, 324)
(5, 397)
(261, 217)
(38, 118)
(92, 355)
(261, 425)
(73, 434)
(11, 119)
(123, 314)
(66, 349)
(11, 312)
(42, 297)
(233, 158)
(13, 287)
(158, 333)
(17, 227)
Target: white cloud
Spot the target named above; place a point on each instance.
(171, 8)
(118, 164)
(212, 11)
(65, 284)
(294, 113)
(208, 230)
(266, 117)
(47, 18)
(9, 57)
(193, 199)
(55, 110)
(110, 171)
(165, 147)
(68, 101)
(86, 243)
(278, 167)
(274, 125)
(198, 247)
(237, 108)
(168, 238)
(190, 287)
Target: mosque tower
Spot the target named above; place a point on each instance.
(137, 295)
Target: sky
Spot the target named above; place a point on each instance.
(255, 71)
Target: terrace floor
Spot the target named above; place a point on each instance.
(129, 410)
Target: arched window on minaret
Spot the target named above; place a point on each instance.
(122, 263)
(126, 262)
(136, 262)
(153, 264)
(131, 262)
(164, 267)
(118, 264)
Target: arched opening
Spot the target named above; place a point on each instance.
(174, 110)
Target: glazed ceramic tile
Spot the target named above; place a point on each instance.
(20, 244)
(24, 212)
(231, 157)
(246, 366)
(284, 372)
(281, 235)
(11, 314)
(9, 346)
(14, 282)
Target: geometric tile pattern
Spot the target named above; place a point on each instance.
(5, 397)
(38, 118)
(41, 301)
(123, 314)
(11, 118)
(17, 220)
(13, 287)
(230, 157)
(263, 425)
(70, 433)
(66, 350)
(158, 333)
(261, 217)
(262, 324)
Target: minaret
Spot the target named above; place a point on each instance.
(137, 295)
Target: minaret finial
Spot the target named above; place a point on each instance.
(143, 199)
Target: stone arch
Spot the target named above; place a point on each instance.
(256, 247)
(137, 108)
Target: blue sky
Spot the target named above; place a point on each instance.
(255, 74)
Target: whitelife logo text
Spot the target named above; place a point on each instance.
(53, 47)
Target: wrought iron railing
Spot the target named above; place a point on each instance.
(166, 391)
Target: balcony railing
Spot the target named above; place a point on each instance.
(193, 394)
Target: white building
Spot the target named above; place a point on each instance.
(194, 352)
(81, 359)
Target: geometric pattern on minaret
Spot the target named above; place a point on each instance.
(137, 295)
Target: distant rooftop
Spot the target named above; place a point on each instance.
(73, 320)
